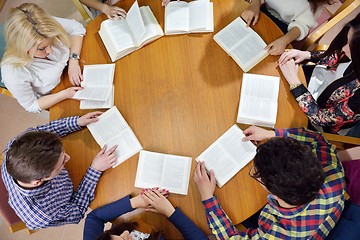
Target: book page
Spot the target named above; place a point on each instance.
(98, 75)
(93, 104)
(176, 174)
(153, 28)
(93, 93)
(232, 34)
(128, 145)
(116, 36)
(97, 82)
(136, 24)
(163, 170)
(177, 17)
(198, 16)
(242, 43)
(250, 52)
(149, 170)
(110, 124)
(258, 100)
(228, 155)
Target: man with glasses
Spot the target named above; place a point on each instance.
(305, 181)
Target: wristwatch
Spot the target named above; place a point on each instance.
(74, 56)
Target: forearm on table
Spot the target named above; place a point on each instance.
(291, 35)
(76, 44)
(48, 101)
(256, 3)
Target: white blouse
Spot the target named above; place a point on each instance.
(295, 13)
(40, 76)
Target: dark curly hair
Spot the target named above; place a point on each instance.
(289, 170)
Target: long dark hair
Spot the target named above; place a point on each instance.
(118, 229)
(342, 39)
(316, 4)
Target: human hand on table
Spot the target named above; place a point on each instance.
(113, 12)
(205, 184)
(69, 92)
(290, 72)
(74, 72)
(105, 159)
(276, 47)
(165, 2)
(251, 14)
(297, 55)
(157, 202)
(255, 133)
(139, 201)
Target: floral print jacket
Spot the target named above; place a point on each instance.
(338, 107)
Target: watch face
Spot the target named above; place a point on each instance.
(74, 56)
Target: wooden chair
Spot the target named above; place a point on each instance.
(342, 142)
(345, 9)
(10, 218)
(84, 11)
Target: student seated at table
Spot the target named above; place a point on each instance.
(332, 99)
(40, 189)
(304, 177)
(293, 17)
(153, 200)
(106, 7)
(38, 47)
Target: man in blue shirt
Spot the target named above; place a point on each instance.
(40, 189)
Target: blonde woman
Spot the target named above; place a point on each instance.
(39, 47)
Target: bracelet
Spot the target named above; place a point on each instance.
(293, 86)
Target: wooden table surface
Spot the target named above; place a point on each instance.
(178, 94)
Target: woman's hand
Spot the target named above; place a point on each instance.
(276, 47)
(139, 201)
(251, 14)
(74, 72)
(114, 12)
(290, 72)
(297, 55)
(158, 202)
(70, 92)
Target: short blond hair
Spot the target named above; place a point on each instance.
(27, 26)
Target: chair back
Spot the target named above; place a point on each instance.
(344, 10)
(348, 226)
(84, 11)
(12, 220)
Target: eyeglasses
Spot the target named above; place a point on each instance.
(253, 173)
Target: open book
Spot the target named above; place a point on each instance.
(228, 155)
(93, 104)
(242, 43)
(124, 36)
(98, 83)
(258, 100)
(112, 129)
(183, 17)
(164, 171)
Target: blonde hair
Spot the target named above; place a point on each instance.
(27, 26)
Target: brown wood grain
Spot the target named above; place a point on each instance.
(178, 94)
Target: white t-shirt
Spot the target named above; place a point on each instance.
(295, 13)
(40, 76)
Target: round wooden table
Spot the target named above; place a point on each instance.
(178, 94)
